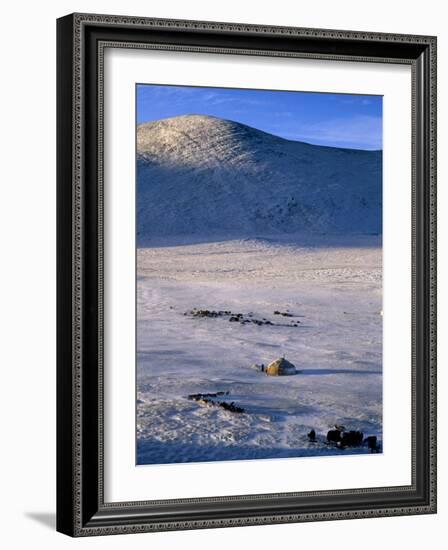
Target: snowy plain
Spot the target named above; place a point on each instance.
(236, 220)
(332, 288)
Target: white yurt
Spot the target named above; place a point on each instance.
(280, 367)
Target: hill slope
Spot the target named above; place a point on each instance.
(201, 175)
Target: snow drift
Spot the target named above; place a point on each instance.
(201, 175)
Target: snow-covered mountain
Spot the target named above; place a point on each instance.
(201, 175)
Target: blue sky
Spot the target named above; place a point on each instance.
(337, 120)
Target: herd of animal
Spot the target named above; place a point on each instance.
(342, 438)
(243, 318)
(209, 399)
(339, 436)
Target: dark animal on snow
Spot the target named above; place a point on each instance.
(312, 436)
(203, 396)
(207, 399)
(372, 444)
(334, 436)
(351, 439)
(231, 407)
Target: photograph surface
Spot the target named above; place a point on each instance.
(259, 274)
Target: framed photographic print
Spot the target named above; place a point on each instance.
(246, 274)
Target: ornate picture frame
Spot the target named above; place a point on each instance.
(81, 506)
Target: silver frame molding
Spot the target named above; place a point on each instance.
(81, 509)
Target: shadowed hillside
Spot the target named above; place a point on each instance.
(204, 176)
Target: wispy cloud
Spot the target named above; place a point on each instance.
(355, 100)
(361, 131)
(208, 96)
(339, 120)
(213, 98)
